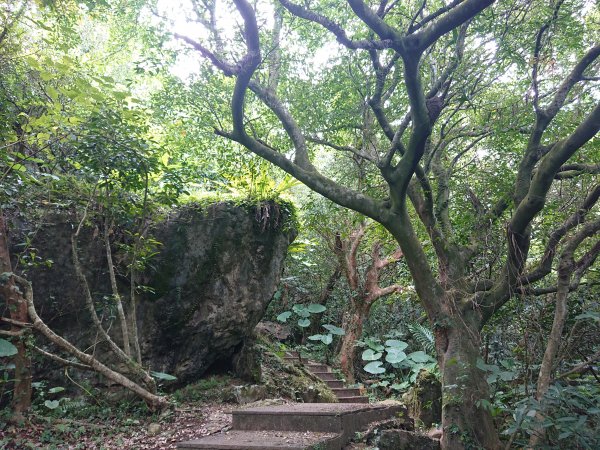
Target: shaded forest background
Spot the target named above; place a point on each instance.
(439, 159)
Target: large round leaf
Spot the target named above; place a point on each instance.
(51, 404)
(315, 308)
(324, 338)
(284, 316)
(316, 337)
(6, 348)
(327, 339)
(303, 323)
(395, 356)
(419, 357)
(374, 367)
(300, 310)
(370, 355)
(396, 344)
(334, 330)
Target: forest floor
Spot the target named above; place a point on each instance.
(184, 423)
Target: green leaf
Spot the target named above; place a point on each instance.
(395, 356)
(374, 367)
(163, 376)
(370, 355)
(373, 344)
(324, 338)
(315, 308)
(419, 357)
(396, 344)
(334, 330)
(7, 349)
(401, 386)
(51, 404)
(284, 316)
(56, 389)
(301, 310)
(303, 323)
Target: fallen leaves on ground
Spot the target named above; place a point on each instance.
(164, 433)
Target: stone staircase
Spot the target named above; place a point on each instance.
(324, 372)
(296, 426)
(301, 426)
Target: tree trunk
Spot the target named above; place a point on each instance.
(17, 307)
(466, 421)
(353, 327)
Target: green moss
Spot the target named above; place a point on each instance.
(286, 219)
(290, 380)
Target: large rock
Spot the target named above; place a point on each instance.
(424, 399)
(216, 273)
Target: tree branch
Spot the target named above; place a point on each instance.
(334, 28)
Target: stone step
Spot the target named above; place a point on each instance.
(318, 367)
(354, 399)
(325, 376)
(346, 392)
(339, 418)
(266, 440)
(334, 384)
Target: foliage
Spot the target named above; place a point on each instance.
(328, 338)
(569, 414)
(396, 369)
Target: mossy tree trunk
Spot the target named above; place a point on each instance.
(467, 423)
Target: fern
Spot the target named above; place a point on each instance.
(424, 336)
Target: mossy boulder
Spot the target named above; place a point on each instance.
(424, 399)
(215, 273)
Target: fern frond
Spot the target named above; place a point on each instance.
(424, 336)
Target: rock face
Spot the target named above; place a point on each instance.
(216, 273)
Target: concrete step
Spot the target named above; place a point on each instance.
(318, 367)
(266, 440)
(325, 376)
(354, 399)
(339, 418)
(346, 392)
(334, 384)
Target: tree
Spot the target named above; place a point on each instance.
(500, 84)
(17, 308)
(364, 290)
